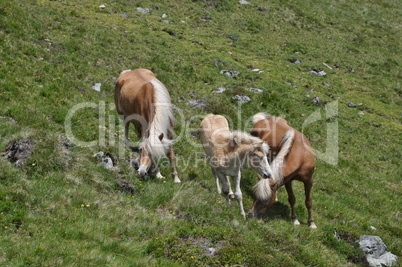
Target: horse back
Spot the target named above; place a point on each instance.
(135, 95)
(214, 133)
(300, 159)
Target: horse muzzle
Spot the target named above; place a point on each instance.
(142, 171)
(266, 175)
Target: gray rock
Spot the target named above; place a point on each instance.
(198, 104)
(319, 73)
(316, 100)
(291, 84)
(107, 163)
(376, 251)
(97, 87)
(211, 251)
(351, 105)
(244, 2)
(19, 151)
(143, 10)
(255, 90)
(105, 160)
(164, 16)
(241, 99)
(230, 73)
(220, 90)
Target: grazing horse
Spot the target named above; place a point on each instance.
(294, 160)
(143, 100)
(229, 151)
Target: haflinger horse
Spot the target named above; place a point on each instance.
(294, 160)
(227, 153)
(141, 99)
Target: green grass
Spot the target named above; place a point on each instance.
(61, 208)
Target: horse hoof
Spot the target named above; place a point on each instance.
(231, 196)
(159, 176)
(296, 222)
(177, 180)
(313, 226)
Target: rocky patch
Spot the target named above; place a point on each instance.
(18, 151)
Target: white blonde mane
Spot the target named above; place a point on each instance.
(242, 137)
(161, 122)
(279, 162)
(260, 116)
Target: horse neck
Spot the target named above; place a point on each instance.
(163, 114)
(240, 155)
(161, 122)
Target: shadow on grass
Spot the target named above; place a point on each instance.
(278, 211)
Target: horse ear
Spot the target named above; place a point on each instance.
(161, 136)
(234, 142)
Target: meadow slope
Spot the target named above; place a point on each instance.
(59, 207)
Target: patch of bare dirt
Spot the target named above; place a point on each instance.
(18, 151)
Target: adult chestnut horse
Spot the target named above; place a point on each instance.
(293, 159)
(143, 100)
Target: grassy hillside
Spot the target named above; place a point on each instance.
(58, 207)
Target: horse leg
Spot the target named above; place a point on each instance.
(218, 186)
(309, 202)
(292, 201)
(238, 193)
(158, 172)
(230, 194)
(126, 128)
(226, 188)
(172, 159)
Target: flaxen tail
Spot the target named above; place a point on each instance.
(262, 190)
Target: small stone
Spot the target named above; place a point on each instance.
(164, 16)
(198, 104)
(373, 228)
(107, 163)
(351, 105)
(97, 87)
(244, 2)
(234, 38)
(211, 251)
(230, 73)
(255, 90)
(316, 100)
(143, 10)
(241, 99)
(99, 155)
(361, 113)
(320, 73)
(220, 90)
(102, 6)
